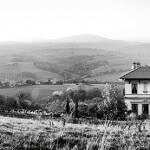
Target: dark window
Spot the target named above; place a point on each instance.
(145, 88)
(134, 88)
(145, 109)
(135, 108)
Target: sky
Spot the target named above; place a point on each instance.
(51, 19)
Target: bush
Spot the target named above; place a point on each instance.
(113, 105)
(11, 103)
(30, 82)
(92, 110)
(25, 104)
(2, 100)
(83, 110)
(22, 95)
(142, 116)
(81, 95)
(35, 106)
(93, 93)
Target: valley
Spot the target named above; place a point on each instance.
(81, 56)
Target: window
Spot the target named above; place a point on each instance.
(145, 88)
(135, 108)
(134, 88)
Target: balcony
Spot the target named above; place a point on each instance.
(144, 95)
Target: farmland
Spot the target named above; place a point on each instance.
(111, 77)
(32, 134)
(24, 70)
(39, 93)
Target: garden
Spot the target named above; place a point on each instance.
(76, 119)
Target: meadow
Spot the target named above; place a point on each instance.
(39, 93)
(110, 77)
(54, 135)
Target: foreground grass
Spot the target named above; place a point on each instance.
(41, 134)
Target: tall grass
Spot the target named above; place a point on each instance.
(31, 134)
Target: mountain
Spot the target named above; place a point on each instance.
(93, 41)
(83, 38)
(88, 41)
(83, 56)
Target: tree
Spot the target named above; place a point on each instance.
(93, 93)
(25, 104)
(112, 106)
(81, 94)
(24, 96)
(76, 106)
(30, 82)
(92, 109)
(2, 100)
(83, 109)
(11, 103)
(67, 106)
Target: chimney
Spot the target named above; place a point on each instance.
(136, 65)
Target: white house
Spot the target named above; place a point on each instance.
(137, 89)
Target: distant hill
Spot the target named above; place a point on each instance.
(83, 38)
(134, 49)
(81, 56)
(93, 41)
(77, 41)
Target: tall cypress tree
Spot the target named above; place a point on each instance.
(67, 106)
(76, 115)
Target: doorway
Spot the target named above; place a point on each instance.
(135, 108)
(145, 109)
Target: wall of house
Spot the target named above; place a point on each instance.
(128, 86)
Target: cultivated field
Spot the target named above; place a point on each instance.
(53, 135)
(39, 93)
(24, 70)
(111, 77)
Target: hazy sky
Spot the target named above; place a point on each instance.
(33, 19)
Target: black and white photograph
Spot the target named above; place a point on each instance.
(74, 74)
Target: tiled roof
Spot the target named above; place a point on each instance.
(139, 73)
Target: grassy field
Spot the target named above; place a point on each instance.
(39, 93)
(41, 134)
(25, 70)
(111, 77)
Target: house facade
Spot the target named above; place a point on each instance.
(137, 89)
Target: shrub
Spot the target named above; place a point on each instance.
(11, 103)
(30, 82)
(55, 106)
(93, 93)
(2, 100)
(112, 106)
(83, 109)
(22, 95)
(81, 95)
(142, 116)
(35, 106)
(92, 110)
(25, 104)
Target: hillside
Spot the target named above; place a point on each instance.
(76, 56)
(23, 71)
